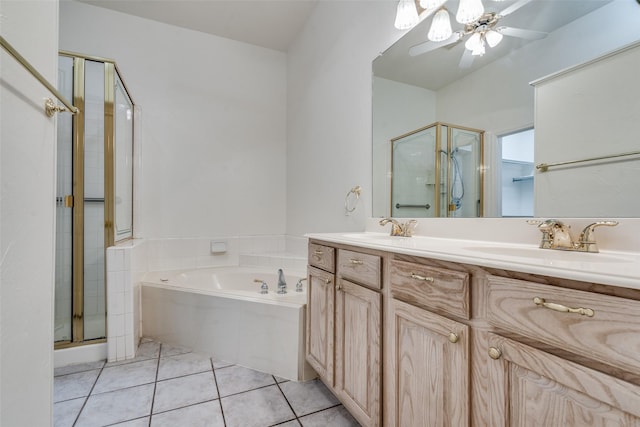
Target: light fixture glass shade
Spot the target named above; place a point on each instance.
(473, 42)
(469, 11)
(440, 26)
(430, 4)
(406, 15)
(493, 38)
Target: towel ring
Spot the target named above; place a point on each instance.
(351, 199)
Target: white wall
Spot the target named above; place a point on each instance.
(27, 200)
(329, 112)
(213, 117)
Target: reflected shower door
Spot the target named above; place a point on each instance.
(465, 173)
(414, 174)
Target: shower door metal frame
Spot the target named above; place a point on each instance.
(110, 71)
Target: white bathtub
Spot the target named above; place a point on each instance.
(220, 311)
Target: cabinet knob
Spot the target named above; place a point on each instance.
(338, 287)
(495, 353)
(453, 337)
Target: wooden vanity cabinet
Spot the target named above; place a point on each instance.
(344, 328)
(406, 341)
(427, 357)
(534, 387)
(320, 311)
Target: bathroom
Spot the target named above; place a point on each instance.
(308, 143)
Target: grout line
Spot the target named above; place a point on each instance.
(215, 380)
(155, 385)
(185, 406)
(285, 399)
(247, 391)
(87, 397)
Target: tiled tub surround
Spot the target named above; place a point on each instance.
(169, 386)
(220, 311)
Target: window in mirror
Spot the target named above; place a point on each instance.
(517, 173)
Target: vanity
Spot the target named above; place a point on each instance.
(432, 331)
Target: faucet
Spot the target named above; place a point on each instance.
(264, 288)
(282, 284)
(587, 241)
(398, 228)
(556, 235)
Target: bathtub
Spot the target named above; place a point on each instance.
(220, 311)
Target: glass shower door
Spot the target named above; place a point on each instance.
(64, 210)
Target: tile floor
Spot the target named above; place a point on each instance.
(167, 386)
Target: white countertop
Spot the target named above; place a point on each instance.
(607, 267)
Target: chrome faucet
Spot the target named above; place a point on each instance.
(398, 228)
(556, 235)
(282, 284)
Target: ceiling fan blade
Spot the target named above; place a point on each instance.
(517, 5)
(428, 46)
(466, 60)
(522, 33)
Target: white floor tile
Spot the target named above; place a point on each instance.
(71, 386)
(308, 397)
(257, 408)
(334, 417)
(183, 364)
(129, 375)
(206, 414)
(65, 413)
(78, 367)
(184, 391)
(116, 406)
(236, 379)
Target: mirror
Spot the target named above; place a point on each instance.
(493, 93)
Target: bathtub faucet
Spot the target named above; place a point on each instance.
(282, 284)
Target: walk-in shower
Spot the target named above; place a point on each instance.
(436, 171)
(94, 195)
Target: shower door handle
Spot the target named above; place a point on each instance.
(68, 201)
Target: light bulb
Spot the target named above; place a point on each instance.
(469, 11)
(406, 15)
(440, 26)
(493, 38)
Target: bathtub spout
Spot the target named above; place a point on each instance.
(282, 284)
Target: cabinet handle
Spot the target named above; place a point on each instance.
(356, 261)
(563, 309)
(423, 278)
(495, 353)
(453, 337)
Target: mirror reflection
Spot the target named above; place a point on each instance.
(492, 92)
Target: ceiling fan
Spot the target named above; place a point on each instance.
(481, 32)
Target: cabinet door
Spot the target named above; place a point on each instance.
(320, 313)
(358, 346)
(532, 388)
(427, 376)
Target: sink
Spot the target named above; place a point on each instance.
(548, 254)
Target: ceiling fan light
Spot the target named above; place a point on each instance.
(474, 42)
(493, 38)
(479, 50)
(406, 15)
(430, 4)
(469, 11)
(440, 26)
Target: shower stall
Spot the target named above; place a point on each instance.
(94, 192)
(436, 171)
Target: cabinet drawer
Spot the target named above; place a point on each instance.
(430, 287)
(322, 257)
(601, 327)
(360, 268)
